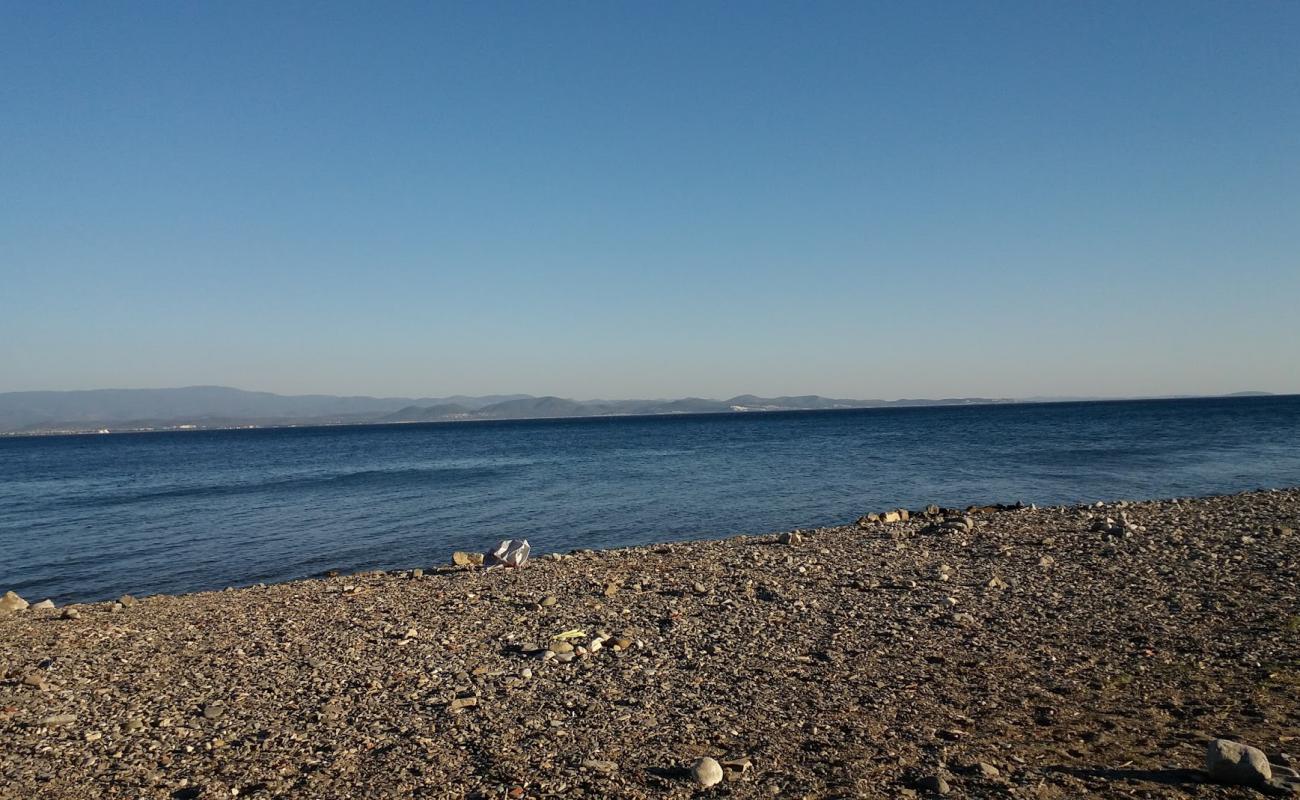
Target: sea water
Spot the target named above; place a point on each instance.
(91, 517)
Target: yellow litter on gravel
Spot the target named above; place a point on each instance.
(573, 634)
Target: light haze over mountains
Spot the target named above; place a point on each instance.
(223, 407)
(218, 406)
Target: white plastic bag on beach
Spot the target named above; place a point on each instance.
(511, 553)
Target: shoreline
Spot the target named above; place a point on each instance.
(446, 565)
(1045, 652)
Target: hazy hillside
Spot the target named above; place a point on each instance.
(81, 409)
(222, 407)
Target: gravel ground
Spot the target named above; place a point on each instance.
(1044, 653)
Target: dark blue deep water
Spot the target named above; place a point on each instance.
(91, 517)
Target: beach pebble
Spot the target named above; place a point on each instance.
(43, 605)
(934, 784)
(37, 680)
(735, 768)
(71, 613)
(463, 559)
(549, 601)
(597, 765)
(58, 720)
(12, 602)
(706, 771)
(332, 711)
(126, 600)
(793, 538)
(1232, 762)
(987, 770)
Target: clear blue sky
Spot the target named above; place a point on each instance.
(651, 199)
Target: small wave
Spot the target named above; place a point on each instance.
(379, 478)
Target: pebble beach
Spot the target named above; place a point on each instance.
(993, 652)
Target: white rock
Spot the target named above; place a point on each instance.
(706, 771)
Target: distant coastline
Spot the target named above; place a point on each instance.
(221, 408)
(470, 418)
(18, 408)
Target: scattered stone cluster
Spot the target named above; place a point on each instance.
(1142, 649)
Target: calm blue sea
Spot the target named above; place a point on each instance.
(91, 517)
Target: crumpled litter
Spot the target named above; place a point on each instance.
(510, 553)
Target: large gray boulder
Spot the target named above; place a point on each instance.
(1232, 762)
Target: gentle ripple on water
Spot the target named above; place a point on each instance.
(91, 517)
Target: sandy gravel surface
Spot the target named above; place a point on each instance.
(1044, 653)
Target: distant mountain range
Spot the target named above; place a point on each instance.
(222, 407)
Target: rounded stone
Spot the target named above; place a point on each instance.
(1233, 762)
(934, 784)
(706, 771)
